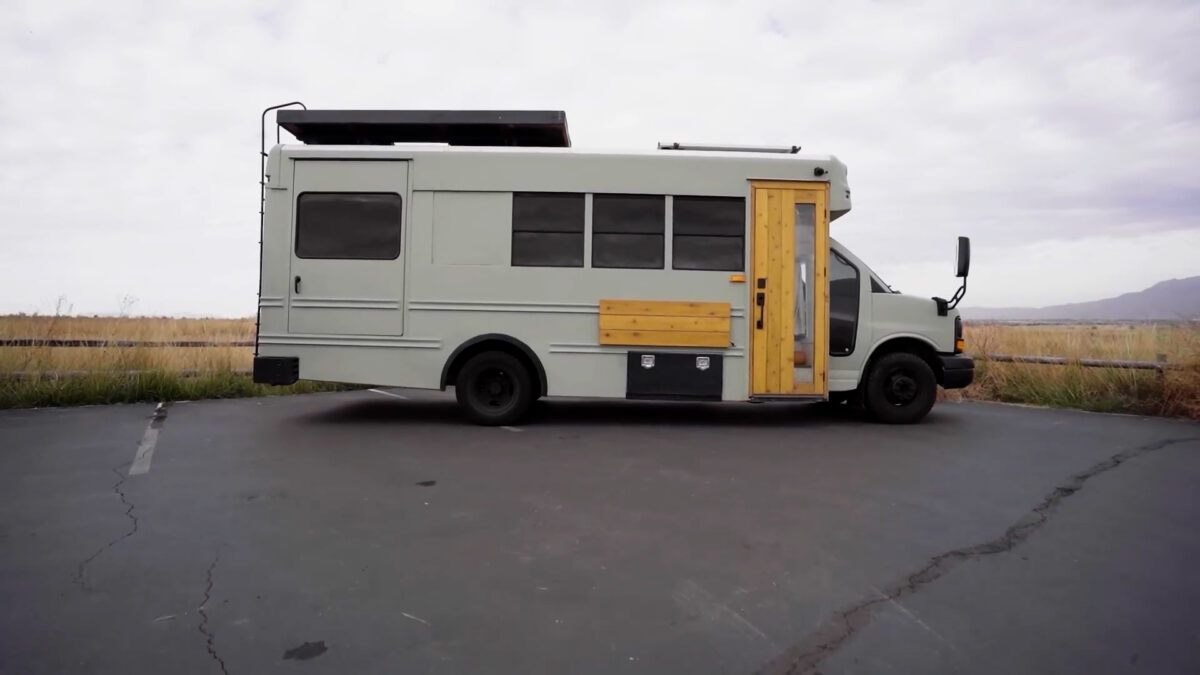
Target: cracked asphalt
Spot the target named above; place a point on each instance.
(358, 532)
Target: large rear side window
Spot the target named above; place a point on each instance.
(348, 225)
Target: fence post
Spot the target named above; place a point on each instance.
(1161, 360)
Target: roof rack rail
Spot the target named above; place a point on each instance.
(781, 149)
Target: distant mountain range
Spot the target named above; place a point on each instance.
(1171, 300)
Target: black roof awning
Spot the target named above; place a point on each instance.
(527, 128)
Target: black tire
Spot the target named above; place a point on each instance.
(900, 388)
(494, 388)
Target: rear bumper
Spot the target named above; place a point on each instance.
(276, 369)
(957, 371)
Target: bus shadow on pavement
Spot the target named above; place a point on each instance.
(597, 412)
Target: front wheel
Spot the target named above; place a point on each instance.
(494, 388)
(900, 388)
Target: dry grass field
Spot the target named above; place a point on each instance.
(1176, 393)
(1112, 390)
(125, 358)
(43, 383)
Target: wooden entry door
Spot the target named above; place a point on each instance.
(789, 295)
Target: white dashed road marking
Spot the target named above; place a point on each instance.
(512, 429)
(414, 618)
(388, 393)
(145, 449)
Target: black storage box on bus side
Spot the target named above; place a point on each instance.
(674, 376)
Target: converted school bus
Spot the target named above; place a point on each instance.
(479, 250)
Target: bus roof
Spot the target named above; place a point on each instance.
(518, 149)
(410, 150)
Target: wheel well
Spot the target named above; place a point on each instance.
(906, 344)
(493, 342)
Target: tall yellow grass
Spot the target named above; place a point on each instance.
(125, 328)
(1140, 342)
(1175, 393)
(57, 359)
(110, 379)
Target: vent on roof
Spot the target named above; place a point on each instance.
(523, 128)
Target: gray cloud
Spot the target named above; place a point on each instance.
(128, 134)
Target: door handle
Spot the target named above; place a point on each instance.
(760, 299)
(296, 285)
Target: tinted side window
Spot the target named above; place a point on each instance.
(547, 229)
(348, 225)
(843, 305)
(628, 231)
(709, 233)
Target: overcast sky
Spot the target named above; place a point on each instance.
(1062, 137)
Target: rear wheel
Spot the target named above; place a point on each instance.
(900, 388)
(494, 388)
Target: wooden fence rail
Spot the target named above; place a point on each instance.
(20, 375)
(1086, 363)
(45, 342)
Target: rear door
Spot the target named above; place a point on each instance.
(347, 268)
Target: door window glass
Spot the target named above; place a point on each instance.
(805, 275)
(348, 225)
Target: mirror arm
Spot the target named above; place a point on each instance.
(958, 295)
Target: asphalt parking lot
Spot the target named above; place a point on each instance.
(361, 532)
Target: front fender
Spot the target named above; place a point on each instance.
(904, 342)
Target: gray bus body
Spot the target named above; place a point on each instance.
(395, 266)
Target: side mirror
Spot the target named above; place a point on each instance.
(962, 267)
